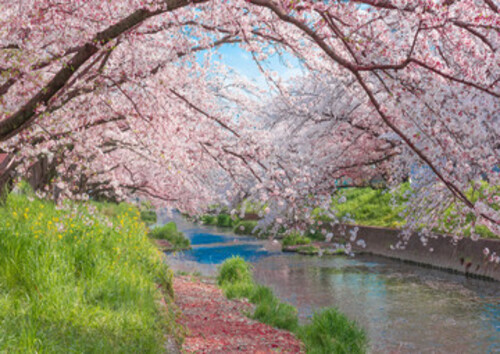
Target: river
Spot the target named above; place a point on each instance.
(403, 308)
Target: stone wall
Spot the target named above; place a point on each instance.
(464, 256)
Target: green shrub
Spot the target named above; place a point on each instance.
(294, 238)
(238, 290)
(277, 314)
(149, 217)
(75, 280)
(310, 250)
(170, 233)
(225, 220)
(332, 332)
(234, 270)
(246, 227)
(329, 331)
(260, 294)
(208, 219)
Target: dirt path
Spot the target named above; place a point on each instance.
(217, 325)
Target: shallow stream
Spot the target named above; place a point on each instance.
(404, 308)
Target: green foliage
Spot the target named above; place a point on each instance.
(379, 207)
(295, 238)
(332, 332)
(222, 220)
(208, 219)
(246, 227)
(234, 270)
(308, 250)
(170, 233)
(225, 220)
(277, 314)
(451, 219)
(75, 280)
(235, 278)
(329, 331)
(260, 294)
(238, 290)
(149, 217)
(373, 207)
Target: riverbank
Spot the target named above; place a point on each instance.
(443, 252)
(447, 312)
(215, 324)
(80, 277)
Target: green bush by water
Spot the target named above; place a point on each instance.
(294, 238)
(80, 279)
(332, 332)
(246, 227)
(221, 220)
(328, 332)
(234, 270)
(170, 233)
(225, 220)
(208, 219)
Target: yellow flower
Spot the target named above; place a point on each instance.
(60, 236)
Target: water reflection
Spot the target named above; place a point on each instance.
(404, 308)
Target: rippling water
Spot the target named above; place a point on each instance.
(403, 308)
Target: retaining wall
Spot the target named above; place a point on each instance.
(464, 256)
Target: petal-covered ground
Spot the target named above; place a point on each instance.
(217, 325)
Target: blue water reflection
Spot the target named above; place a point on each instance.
(217, 255)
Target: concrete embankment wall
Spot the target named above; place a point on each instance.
(464, 256)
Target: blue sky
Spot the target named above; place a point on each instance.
(242, 62)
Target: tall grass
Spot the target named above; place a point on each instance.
(246, 227)
(294, 238)
(329, 331)
(170, 233)
(332, 332)
(83, 278)
(221, 220)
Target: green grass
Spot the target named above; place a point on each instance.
(80, 279)
(221, 220)
(294, 238)
(347, 336)
(372, 207)
(245, 227)
(208, 219)
(170, 233)
(234, 270)
(328, 332)
(379, 207)
(451, 220)
(149, 217)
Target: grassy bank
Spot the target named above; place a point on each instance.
(169, 233)
(83, 278)
(221, 220)
(329, 331)
(379, 207)
(369, 206)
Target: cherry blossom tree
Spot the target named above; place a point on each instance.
(429, 70)
(115, 94)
